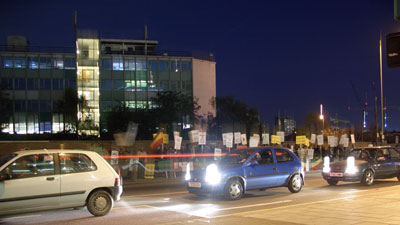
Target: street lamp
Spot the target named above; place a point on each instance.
(321, 117)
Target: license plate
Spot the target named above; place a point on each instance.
(195, 184)
(336, 174)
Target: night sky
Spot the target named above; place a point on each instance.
(288, 56)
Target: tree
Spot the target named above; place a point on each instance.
(68, 108)
(312, 124)
(231, 111)
(175, 107)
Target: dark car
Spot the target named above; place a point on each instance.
(364, 165)
(248, 169)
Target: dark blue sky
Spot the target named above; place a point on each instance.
(274, 55)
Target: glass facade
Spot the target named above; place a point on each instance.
(36, 81)
(32, 82)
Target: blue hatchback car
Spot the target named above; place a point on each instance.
(248, 169)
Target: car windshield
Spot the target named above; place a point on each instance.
(237, 157)
(7, 158)
(363, 154)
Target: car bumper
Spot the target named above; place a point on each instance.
(117, 192)
(342, 176)
(204, 188)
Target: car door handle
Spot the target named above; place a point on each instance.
(275, 168)
(50, 178)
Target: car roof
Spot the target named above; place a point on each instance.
(51, 151)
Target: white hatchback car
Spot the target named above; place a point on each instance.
(37, 180)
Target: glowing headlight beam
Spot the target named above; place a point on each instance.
(326, 168)
(212, 174)
(351, 168)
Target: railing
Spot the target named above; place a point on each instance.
(29, 48)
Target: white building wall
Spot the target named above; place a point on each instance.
(204, 85)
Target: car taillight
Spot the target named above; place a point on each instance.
(118, 179)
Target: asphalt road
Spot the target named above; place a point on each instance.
(170, 203)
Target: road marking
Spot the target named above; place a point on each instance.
(133, 206)
(167, 193)
(254, 205)
(352, 192)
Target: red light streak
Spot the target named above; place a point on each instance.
(163, 156)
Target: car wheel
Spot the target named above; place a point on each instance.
(368, 178)
(233, 190)
(295, 183)
(332, 182)
(100, 203)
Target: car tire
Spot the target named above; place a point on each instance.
(233, 190)
(368, 178)
(295, 183)
(332, 182)
(100, 203)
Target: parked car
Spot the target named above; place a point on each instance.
(36, 180)
(364, 165)
(247, 169)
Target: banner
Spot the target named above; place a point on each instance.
(158, 140)
(244, 139)
(178, 142)
(275, 139)
(353, 140)
(237, 138)
(281, 134)
(254, 140)
(301, 140)
(224, 139)
(229, 140)
(333, 141)
(202, 138)
(194, 136)
(341, 141)
(265, 138)
(313, 137)
(114, 157)
(320, 139)
(346, 142)
(166, 139)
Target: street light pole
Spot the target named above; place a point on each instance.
(380, 62)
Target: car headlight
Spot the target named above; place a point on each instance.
(326, 168)
(212, 174)
(187, 175)
(351, 166)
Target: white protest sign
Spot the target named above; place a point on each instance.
(114, 157)
(254, 140)
(320, 139)
(333, 141)
(237, 138)
(353, 140)
(244, 139)
(310, 153)
(217, 153)
(229, 140)
(313, 137)
(265, 138)
(176, 133)
(202, 138)
(194, 136)
(341, 142)
(346, 142)
(281, 134)
(178, 142)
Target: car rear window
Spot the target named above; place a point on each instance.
(283, 156)
(76, 163)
